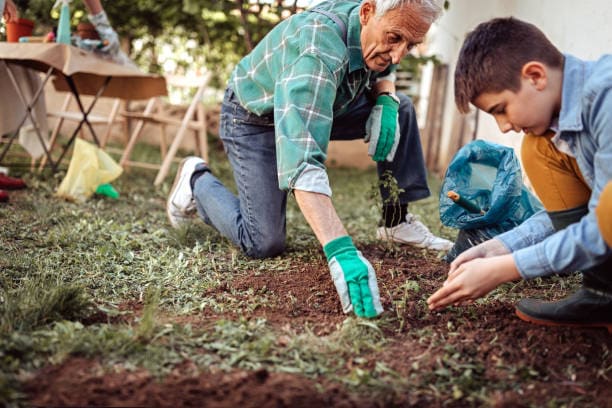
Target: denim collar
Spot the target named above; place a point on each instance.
(575, 73)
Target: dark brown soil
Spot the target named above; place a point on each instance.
(570, 364)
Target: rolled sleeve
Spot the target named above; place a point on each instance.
(532, 262)
(303, 116)
(314, 180)
(533, 230)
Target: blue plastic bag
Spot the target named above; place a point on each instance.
(489, 175)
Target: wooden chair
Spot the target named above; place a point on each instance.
(163, 114)
(66, 113)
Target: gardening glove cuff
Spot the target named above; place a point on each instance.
(382, 128)
(108, 36)
(108, 46)
(353, 277)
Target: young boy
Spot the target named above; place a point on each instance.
(604, 213)
(509, 69)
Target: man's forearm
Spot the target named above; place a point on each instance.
(382, 86)
(320, 215)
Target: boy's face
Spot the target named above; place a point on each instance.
(530, 110)
(386, 40)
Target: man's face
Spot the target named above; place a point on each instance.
(527, 110)
(386, 40)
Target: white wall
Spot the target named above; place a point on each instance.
(581, 28)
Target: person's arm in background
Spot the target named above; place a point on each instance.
(93, 6)
(10, 11)
(111, 46)
(98, 18)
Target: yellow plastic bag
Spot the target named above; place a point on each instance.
(89, 167)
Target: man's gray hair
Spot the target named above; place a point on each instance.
(428, 9)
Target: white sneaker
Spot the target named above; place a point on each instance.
(180, 206)
(415, 233)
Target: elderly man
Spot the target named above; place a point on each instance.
(324, 74)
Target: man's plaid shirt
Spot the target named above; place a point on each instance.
(305, 73)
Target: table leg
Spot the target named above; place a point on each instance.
(28, 113)
(84, 112)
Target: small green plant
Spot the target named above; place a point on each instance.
(389, 184)
(148, 323)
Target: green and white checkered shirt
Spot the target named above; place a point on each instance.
(305, 73)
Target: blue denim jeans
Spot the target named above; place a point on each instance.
(255, 219)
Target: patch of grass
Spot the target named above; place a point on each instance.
(62, 262)
(41, 300)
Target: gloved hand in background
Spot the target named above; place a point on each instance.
(109, 46)
(382, 128)
(107, 34)
(354, 278)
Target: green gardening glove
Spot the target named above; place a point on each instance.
(353, 277)
(382, 128)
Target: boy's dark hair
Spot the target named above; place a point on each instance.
(493, 55)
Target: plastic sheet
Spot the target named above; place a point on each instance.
(89, 167)
(488, 175)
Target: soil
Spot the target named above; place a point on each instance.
(304, 295)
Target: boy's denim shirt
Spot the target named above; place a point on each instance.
(585, 124)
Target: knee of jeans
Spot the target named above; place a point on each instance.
(267, 247)
(405, 102)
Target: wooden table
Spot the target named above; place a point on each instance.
(77, 71)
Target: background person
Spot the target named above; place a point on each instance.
(509, 69)
(321, 75)
(112, 48)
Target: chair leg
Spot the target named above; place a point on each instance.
(55, 132)
(136, 134)
(165, 166)
(109, 124)
(127, 123)
(163, 141)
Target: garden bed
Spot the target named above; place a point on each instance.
(103, 304)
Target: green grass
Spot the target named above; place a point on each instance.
(62, 263)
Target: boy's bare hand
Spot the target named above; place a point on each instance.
(487, 249)
(472, 280)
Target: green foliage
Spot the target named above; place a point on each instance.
(215, 34)
(188, 35)
(413, 63)
(40, 300)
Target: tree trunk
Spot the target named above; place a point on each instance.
(243, 20)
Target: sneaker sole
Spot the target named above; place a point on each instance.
(173, 189)
(554, 323)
